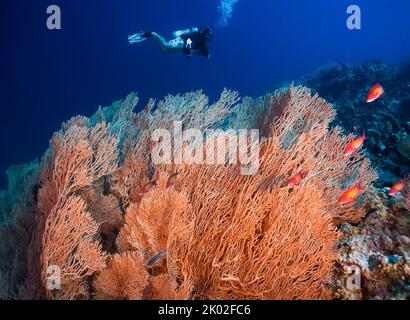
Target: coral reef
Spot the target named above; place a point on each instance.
(378, 246)
(379, 250)
(196, 231)
(118, 225)
(386, 121)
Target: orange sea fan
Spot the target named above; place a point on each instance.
(78, 157)
(69, 245)
(147, 224)
(125, 278)
(192, 109)
(255, 237)
(223, 235)
(163, 287)
(250, 242)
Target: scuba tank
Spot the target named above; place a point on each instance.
(184, 32)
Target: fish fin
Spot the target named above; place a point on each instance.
(359, 185)
(344, 202)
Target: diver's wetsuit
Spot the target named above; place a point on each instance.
(195, 43)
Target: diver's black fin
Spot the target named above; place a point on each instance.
(146, 35)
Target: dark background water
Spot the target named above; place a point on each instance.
(49, 76)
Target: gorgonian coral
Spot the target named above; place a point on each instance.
(125, 278)
(210, 234)
(64, 233)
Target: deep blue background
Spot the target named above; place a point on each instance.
(49, 76)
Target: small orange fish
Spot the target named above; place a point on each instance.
(350, 196)
(146, 188)
(171, 180)
(355, 145)
(297, 179)
(375, 93)
(397, 188)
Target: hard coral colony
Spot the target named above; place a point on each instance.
(110, 220)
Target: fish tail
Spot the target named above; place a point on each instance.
(359, 185)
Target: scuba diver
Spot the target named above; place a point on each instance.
(189, 41)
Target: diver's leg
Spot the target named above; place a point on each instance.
(163, 44)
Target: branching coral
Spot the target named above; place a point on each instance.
(191, 109)
(249, 243)
(69, 245)
(125, 278)
(147, 224)
(78, 156)
(211, 233)
(232, 243)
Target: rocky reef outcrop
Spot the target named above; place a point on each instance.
(375, 254)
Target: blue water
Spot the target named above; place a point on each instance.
(49, 76)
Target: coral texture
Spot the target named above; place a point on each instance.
(378, 249)
(125, 278)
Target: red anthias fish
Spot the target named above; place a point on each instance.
(375, 93)
(297, 179)
(397, 188)
(350, 196)
(355, 145)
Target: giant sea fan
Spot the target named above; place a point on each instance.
(225, 236)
